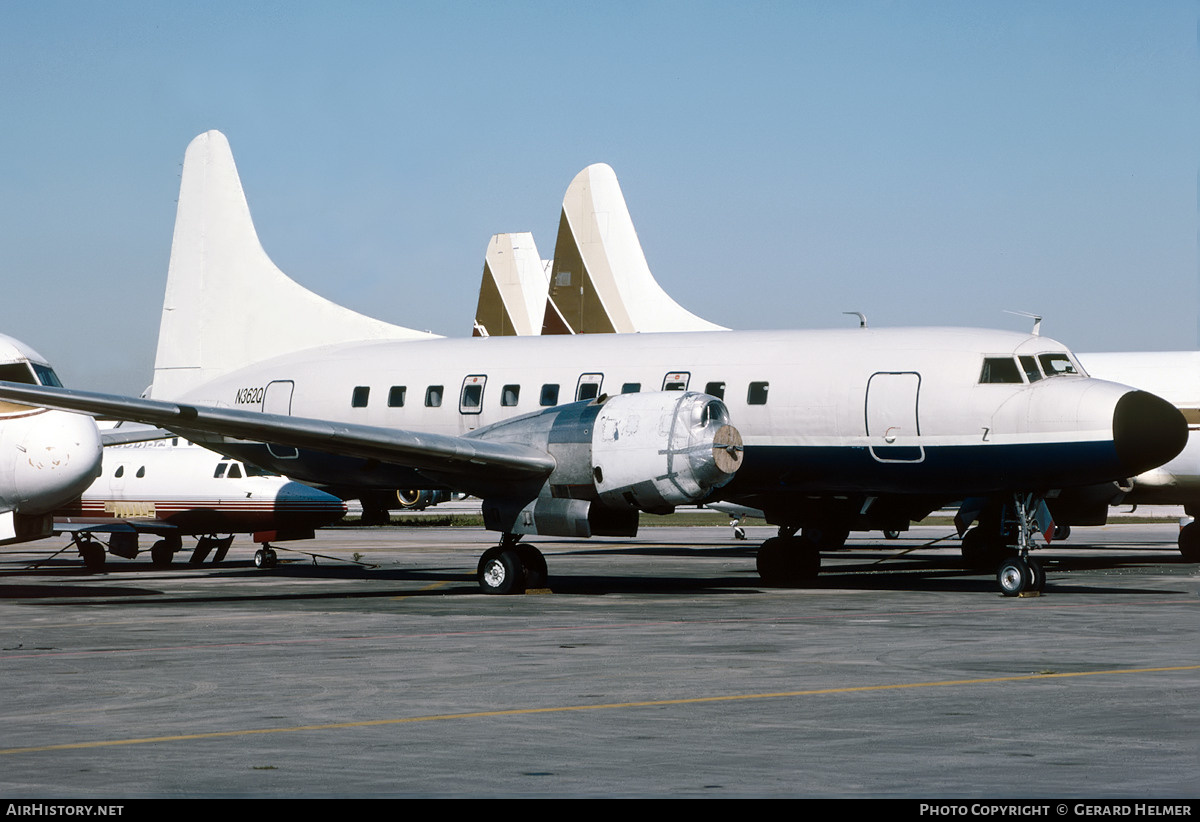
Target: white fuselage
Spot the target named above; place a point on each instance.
(864, 410)
(197, 492)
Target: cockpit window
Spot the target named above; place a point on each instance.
(1056, 364)
(46, 375)
(1000, 370)
(17, 372)
(1029, 366)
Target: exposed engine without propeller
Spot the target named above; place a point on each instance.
(616, 457)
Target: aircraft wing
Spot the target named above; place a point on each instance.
(444, 454)
(75, 526)
(122, 436)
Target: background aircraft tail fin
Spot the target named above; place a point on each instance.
(227, 305)
(512, 296)
(601, 282)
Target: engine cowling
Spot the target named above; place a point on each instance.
(615, 457)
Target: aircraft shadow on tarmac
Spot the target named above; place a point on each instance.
(858, 568)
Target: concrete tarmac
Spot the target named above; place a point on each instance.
(651, 667)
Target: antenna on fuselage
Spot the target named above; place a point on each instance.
(1037, 320)
(862, 318)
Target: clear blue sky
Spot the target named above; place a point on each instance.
(923, 162)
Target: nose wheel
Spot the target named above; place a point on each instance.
(1018, 575)
(265, 557)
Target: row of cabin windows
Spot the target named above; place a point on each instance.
(234, 471)
(471, 399)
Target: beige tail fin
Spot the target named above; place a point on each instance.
(601, 281)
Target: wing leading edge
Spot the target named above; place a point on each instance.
(446, 455)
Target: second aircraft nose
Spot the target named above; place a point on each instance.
(1147, 431)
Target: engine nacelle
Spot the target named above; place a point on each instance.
(615, 457)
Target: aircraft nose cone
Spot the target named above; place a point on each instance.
(1147, 431)
(60, 456)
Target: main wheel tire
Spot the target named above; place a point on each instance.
(1189, 542)
(501, 571)
(534, 563)
(787, 561)
(161, 554)
(92, 553)
(1037, 575)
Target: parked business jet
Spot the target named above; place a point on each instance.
(576, 435)
(46, 457)
(172, 489)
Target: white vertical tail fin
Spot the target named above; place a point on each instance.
(601, 282)
(227, 305)
(515, 286)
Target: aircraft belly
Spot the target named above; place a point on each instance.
(944, 469)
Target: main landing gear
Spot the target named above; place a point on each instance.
(511, 567)
(790, 559)
(91, 551)
(1189, 542)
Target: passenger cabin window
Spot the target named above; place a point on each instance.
(1029, 366)
(756, 394)
(999, 370)
(549, 395)
(510, 395)
(396, 396)
(1057, 364)
(715, 389)
(141, 472)
(631, 388)
(433, 396)
(360, 396)
(120, 472)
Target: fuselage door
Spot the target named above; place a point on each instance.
(277, 399)
(470, 400)
(893, 427)
(676, 381)
(588, 387)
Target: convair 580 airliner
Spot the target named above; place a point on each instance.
(576, 435)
